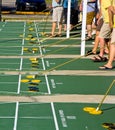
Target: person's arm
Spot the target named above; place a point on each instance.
(99, 14)
(111, 12)
(112, 8)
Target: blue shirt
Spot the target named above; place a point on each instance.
(73, 3)
(91, 7)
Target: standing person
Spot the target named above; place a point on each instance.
(74, 4)
(91, 13)
(57, 17)
(75, 15)
(105, 31)
(97, 39)
(108, 65)
(99, 23)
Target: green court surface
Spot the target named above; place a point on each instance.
(58, 70)
(50, 64)
(52, 116)
(58, 85)
(71, 64)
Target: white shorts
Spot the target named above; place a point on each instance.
(57, 15)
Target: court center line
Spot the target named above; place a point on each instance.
(49, 91)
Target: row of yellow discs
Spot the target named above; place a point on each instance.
(34, 50)
(92, 110)
(30, 78)
(30, 38)
(33, 60)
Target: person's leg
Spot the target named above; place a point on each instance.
(97, 39)
(60, 20)
(111, 54)
(54, 21)
(102, 45)
(104, 40)
(111, 58)
(89, 30)
(65, 19)
(53, 28)
(60, 29)
(104, 33)
(90, 17)
(96, 43)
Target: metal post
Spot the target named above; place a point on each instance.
(68, 19)
(83, 27)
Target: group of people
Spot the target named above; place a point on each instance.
(105, 34)
(101, 13)
(59, 16)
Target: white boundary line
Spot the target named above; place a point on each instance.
(16, 116)
(27, 117)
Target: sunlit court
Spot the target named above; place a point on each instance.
(50, 82)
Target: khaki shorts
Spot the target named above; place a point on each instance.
(57, 14)
(105, 31)
(90, 17)
(113, 36)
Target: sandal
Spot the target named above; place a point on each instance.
(99, 59)
(50, 35)
(105, 68)
(58, 35)
(88, 38)
(90, 52)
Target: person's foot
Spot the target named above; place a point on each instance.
(105, 68)
(58, 35)
(99, 58)
(50, 35)
(88, 38)
(91, 52)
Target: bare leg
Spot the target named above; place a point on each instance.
(60, 28)
(96, 43)
(100, 57)
(102, 45)
(111, 56)
(53, 28)
(89, 30)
